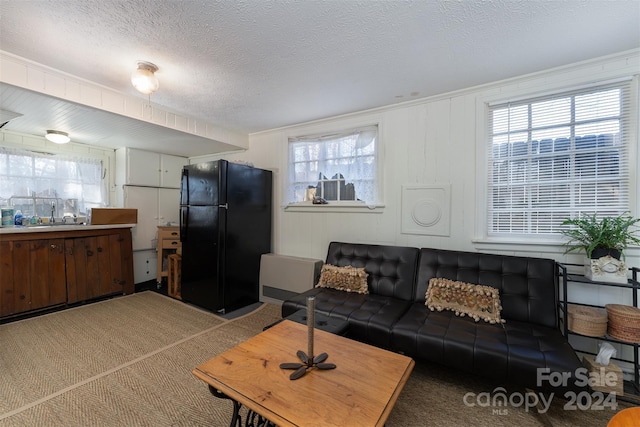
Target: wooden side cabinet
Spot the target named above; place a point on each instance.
(168, 244)
(48, 269)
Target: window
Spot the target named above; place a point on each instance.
(32, 181)
(338, 167)
(557, 157)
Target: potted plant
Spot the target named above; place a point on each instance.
(604, 241)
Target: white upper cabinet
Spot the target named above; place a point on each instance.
(145, 200)
(146, 168)
(171, 170)
(168, 206)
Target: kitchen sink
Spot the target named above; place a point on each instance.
(55, 224)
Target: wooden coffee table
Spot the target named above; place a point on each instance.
(360, 391)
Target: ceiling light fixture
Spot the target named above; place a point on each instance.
(57, 136)
(144, 78)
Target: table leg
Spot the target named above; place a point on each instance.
(236, 419)
(256, 420)
(253, 418)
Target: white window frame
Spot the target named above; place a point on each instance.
(551, 241)
(344, 206)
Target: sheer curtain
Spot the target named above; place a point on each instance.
(351, 155)
(31, 181)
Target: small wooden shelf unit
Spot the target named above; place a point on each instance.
(168, 244)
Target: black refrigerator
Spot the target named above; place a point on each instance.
(225, 227)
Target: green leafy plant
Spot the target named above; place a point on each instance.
(590, 233)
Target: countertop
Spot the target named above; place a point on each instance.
(53, 228)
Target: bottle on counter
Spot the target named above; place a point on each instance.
(17, 219)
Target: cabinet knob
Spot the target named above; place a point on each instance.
(53, 246)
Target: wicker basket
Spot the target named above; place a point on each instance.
(587, 320)
(624, 322)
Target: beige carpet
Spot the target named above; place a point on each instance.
(128, 361)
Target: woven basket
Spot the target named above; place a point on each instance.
(587, 320)
(624, 322)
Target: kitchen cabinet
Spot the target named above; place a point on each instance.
(168, 206)
(54, 268)
(149, 182)
(144, 266)
(146, 168)
(33, 275)
(145, 199)
(156, 207)
(94, 265)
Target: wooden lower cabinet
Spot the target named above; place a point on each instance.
(45, 272)
(32, 275)
(95, 267)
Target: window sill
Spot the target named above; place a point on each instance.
(519, 244)
(340, 207)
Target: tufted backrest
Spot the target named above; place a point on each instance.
(528, 286)
(391, 269)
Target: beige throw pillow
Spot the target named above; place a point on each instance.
(350, 279)
(475, 301)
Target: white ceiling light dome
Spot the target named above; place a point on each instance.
(57, 137)
(144, 78)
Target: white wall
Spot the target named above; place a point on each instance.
(430, 141)
(433, 141)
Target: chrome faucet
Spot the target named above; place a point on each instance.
(74, 217)
(52, 219)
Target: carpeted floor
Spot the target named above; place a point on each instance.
(128, 361)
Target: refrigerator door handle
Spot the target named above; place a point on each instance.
(184, 187)
(184, 219)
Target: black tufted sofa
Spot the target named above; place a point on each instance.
(394, 315)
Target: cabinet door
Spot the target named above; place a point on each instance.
(171, 170)
(77, 269)
(48, 279)
(144, 266)
(121, 257)
(168, 206)
(15, 292)
(33, 275)
(89, 267)
(143, 168)
(21, 276)
(146, 201)
(99, 266)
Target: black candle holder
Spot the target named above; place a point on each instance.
(308, 359)
(307, 363)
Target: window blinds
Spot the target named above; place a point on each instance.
(556, 157)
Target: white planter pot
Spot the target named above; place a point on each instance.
(605, 269)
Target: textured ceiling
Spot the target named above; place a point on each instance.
(251, 65)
